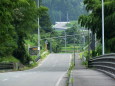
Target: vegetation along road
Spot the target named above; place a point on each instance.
(48, 73)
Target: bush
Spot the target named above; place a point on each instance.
(9, 59)
(110, 44)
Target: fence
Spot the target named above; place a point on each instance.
(104, 63)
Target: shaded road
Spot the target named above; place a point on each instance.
(49, 73)
(88, 77)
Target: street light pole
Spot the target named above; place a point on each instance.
(103, 48)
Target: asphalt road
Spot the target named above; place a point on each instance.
(48, 73)
(88, 77)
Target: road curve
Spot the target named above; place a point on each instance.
(48, 73)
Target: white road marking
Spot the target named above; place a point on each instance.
(24, 73)
(59, 80)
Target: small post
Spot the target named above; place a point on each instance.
(65, 41)
(51, 46)
(74, 49)
(88, 45)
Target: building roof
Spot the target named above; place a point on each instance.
(60, 25)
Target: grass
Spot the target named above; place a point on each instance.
(82, 56)
(43, 56)
(34, 64)
(33, 57)
(30, 66)
(9, 59)
(26, 67)
(59, 31)
(63, 48)
(32, 40)
(29, 42)
(70, 48)
(69, 71)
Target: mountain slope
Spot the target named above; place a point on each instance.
(63, 10)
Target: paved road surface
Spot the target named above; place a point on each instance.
(49, 73)
(87, 77)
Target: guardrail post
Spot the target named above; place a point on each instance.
(15, 66)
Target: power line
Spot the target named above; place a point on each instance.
(62, 36)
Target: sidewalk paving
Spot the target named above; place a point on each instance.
(81, 76)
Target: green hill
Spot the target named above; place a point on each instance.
(60, 9)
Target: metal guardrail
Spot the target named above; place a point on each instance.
(37, 59)
(6, 66)
(10, 66)
(104, 63)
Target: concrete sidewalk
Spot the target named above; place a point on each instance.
(80, 76)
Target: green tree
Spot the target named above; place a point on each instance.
(60, 8)
(7, 30)
(25, 20)
(45, 23)
(71, 31)
(93, 20)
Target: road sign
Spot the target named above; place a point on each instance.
(33, 51)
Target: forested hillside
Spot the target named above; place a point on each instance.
(60, 9)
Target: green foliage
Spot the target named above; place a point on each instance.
(43, 55)
(110, 45)
(20, 52)
(7, 33)
(56, 46)
(18, 19)
(98, 50)
(59, 9)
(93, 20)
(46, 31)
(25, 21)
(45, 24)
(74, 29)
(31, 39)
(8, 59)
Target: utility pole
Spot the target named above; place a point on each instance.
(103, 44)
(67, 17)
(38, 4)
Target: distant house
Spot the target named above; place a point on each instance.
(60, 26)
